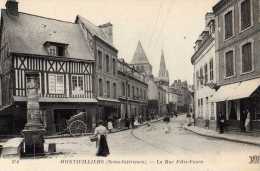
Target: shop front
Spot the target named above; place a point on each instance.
(108, 109)
(237, 102)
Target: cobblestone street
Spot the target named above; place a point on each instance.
(152, 140)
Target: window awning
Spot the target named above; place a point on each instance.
(236, 91)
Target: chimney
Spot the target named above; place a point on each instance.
(108, 30)
(209, 17)
(12, 7)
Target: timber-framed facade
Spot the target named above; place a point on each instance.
(56, 50)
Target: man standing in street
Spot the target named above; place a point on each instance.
(221, 123)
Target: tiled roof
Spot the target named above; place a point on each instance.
(139, 55)
(95, 30)
(27, 34)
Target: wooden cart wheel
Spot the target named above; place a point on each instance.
(77, 127)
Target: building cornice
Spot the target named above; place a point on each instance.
(203, 46)
(219, 6)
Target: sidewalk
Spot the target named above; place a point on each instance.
(226, 136)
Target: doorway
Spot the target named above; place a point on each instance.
(61, 116)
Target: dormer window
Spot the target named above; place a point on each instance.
(61, 51)
(52, 50)
(55, 49)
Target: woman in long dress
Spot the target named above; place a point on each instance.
(247, 121)
(102, 146)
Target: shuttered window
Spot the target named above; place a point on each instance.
(198, 80)
(247, 57)
(114, 90)
(99, 59)
(245, 14)
(100, 84)
(211, 71)
(201, 76)
(206, 73)
(229, 67)
(108, 89)
(228, 24)
(107, 63)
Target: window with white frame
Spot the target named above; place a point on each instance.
(245, 14)
(56, 83)
(229, 63)
(247, 57)
(77, 84)
(52, 50)
(228, 21)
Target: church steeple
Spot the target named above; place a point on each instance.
(163, 72)
(139, 55)
(140, 60)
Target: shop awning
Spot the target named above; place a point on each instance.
(236, 91)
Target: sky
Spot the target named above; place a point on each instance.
(171, 25)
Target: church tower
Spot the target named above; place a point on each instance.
(140, 61)
(163, 75)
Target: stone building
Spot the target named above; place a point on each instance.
(132, 91)
(162, 82)
(156, 94)
(237, 52)
(183, 94)
(100, 39)
(204, 64)
(58, 51)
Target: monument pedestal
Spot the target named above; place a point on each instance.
(34, 141)
(33, 131)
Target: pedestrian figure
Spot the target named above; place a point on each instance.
(110, 126)
(102, 146)
(221, 123)
(132, 122)
(242, 121)
(167, 128)
(127, 122)
(136, 123)
(189, 119)
(247, 120)
(119, 123)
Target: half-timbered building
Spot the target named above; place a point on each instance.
(61, 55)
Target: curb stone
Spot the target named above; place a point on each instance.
(222, 137)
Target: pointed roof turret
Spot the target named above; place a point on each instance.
(139, 55)
(163, 72)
